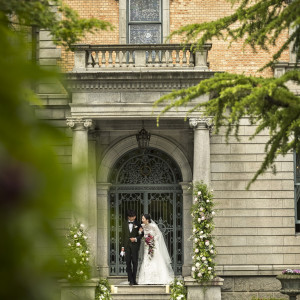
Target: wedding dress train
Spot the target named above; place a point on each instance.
(154, 269)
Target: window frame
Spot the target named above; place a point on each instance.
(128, 22)
(123, 12)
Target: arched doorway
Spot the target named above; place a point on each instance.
(147, 182)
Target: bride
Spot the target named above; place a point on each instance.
(155, 267)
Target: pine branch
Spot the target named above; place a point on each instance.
(266, 102)
(259, 24)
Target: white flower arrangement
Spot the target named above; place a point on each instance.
(204, 251)
(178, 290)
(77, 254)
(103, 290)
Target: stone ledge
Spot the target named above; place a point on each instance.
(189, 281)
(203, 291)
(91, 282)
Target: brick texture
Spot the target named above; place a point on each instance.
(182, 12)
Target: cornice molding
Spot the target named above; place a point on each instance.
(134, 81)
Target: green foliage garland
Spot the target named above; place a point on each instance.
(204, 250)
(103, 290)
(178, 290)
(77, 254)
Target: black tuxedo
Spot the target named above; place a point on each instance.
(131, 248)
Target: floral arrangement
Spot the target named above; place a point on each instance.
(203, 246)
(178, 290)
(103, 290)
(291, 272)
(149, 241)
(77, 254)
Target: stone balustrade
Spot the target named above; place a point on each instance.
(109, 57)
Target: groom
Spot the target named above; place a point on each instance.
(131, 239)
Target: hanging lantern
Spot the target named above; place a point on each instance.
(143, 138)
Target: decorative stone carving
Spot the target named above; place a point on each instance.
(201, 123)
(79, 123)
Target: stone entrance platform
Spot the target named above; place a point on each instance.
(140, 292)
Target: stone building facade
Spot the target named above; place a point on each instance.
(112, 85)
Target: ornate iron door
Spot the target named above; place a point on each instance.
(163, 200)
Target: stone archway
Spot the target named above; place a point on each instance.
(129, 143)
(103, 186)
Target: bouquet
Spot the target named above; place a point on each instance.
(149, 241)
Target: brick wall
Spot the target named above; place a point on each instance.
(182, 12)
(221, 58)
(106, 10)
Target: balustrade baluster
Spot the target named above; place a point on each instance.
(168, 58)
(151, 59)
(90, 60)
(184, 59)
(177, 58)
(163, 58)
(117, 62)
(130, 60)
(123, 58)
(110, 60)
(157, 58)
(191, 60)
(103, 60)
(96, 59)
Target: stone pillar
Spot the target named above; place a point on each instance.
(92, 216)
(201, 167)
(210, 290)
(103, 219)
(80, 164)
(187, 229)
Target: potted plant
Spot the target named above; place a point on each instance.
(290, 283)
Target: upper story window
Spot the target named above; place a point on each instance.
(144, 21)
(297, 190)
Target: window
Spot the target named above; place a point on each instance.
(144, 22)
(297, 190)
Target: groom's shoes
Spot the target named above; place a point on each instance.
(131, 283)
(135, 283)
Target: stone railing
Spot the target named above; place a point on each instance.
(109, 57)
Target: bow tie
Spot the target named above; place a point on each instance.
(130, 222)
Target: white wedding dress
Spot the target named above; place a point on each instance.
(156, 269)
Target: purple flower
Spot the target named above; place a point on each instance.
(291, 272)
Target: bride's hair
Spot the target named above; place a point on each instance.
(148, 217)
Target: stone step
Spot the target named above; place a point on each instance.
(140, 297)
(140, 292)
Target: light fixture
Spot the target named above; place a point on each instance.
(143, 138)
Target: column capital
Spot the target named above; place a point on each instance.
(79, 123)
(201, 123)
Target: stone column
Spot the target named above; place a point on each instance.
(201, 167)
(80, 164)
(103, 217)
(187, 229)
